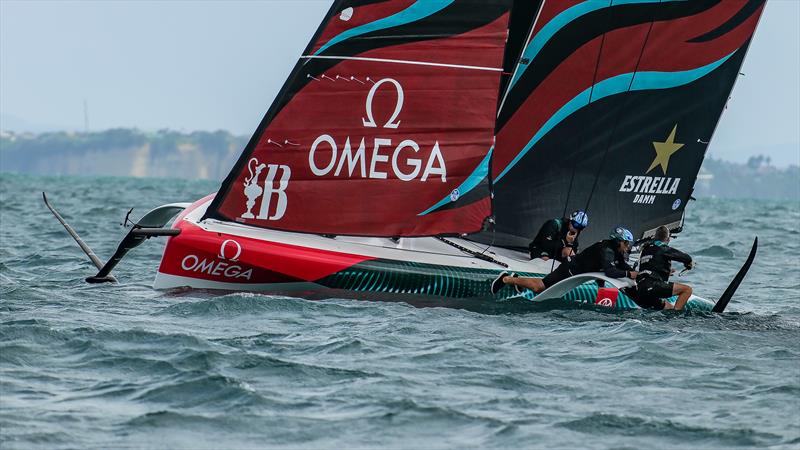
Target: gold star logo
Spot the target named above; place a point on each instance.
(664, 150)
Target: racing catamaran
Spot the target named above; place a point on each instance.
(417, 146)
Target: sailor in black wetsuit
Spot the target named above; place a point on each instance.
(558, 238)
(609, 256)
(655, 267)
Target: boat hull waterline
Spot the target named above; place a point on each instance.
(233, 257)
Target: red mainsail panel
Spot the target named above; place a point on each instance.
(383, 128)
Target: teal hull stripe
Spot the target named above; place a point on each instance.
(403, 278)
(418, 10)
(563, 19)
(616, 85)
(480, 172)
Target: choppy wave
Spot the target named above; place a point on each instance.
(124, 366)
(716, 251)
(672, 430)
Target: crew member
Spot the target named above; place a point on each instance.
(609, 256)
(558, 238)
(655, 267)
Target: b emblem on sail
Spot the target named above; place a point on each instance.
(253, 191)
(251, 188)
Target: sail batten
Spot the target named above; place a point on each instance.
(398, 61)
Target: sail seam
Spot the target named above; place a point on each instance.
(402, 61)
(583, 134)
(582, 138)
(618, 114)
(612, 86)
(522, 52)
(556, 24)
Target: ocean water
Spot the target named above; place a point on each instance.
(122, 365)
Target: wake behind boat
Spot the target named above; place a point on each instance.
(417, 146)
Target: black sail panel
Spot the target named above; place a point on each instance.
(628, 145)
(520, 26)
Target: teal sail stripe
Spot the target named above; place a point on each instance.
(480, 172)
(612, 86)
(418, 10)
(562, 20)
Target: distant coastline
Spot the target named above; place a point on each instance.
(210, 155)
(754, 179)
(122, 152)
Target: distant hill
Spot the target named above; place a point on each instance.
(210, 155)
(755, 179)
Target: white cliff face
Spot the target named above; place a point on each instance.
(140, 159)
(122, 153)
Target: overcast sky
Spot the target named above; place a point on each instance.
(212, 65)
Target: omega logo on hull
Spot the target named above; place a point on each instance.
(219, 267)
(235, 245)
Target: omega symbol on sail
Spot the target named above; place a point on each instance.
(253, 191)
(354, 160)
(369, 122)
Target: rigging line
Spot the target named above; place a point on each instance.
(521, 52)
(583, 135)
(472, 252)
(491, 244)
(619, 112)
(483, 252)
(582, 141)
(475, 244)
(492, 217)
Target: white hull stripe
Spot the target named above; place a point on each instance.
(401, 61)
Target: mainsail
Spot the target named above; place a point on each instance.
(386, 119)
(611, 108)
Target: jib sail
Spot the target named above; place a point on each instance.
(386, 119)
(611, 108)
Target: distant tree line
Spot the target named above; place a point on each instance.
(754, 179)
(210, 155)
(123, 152)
